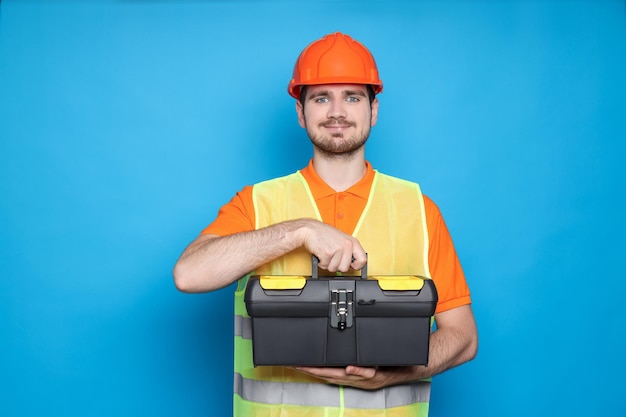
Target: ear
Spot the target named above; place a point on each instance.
(300, 111)
(374, 111)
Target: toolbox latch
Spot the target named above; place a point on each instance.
(341, 308)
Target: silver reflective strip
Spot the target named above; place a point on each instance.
(326, 395)
(295, 393)
(243, 327)
(394, 396)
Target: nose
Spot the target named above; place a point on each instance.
(336, 110)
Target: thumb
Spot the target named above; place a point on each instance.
(361, 371)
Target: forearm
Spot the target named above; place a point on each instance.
(210, 263)
(450, 346)
(455, 342)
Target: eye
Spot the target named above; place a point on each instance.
(353, 99)
(321, 99)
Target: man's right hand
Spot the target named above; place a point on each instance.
(336, 250)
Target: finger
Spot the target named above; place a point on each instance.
(345, 262)
(335, 262)
(361, 371)
(321, 262)
(325, 260)
(359, 257)
(327, 373)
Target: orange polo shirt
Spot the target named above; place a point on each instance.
(343, 210)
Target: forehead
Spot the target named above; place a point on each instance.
(336, 89)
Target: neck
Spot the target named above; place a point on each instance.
(340, 172)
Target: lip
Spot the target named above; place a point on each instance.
(335, 126)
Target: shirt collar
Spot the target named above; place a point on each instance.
(320, 189)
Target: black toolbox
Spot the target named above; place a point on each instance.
(339, 321)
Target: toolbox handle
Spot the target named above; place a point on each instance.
(314, 268)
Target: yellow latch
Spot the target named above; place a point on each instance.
(284, 282)
(399, 283)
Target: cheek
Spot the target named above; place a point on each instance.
(310, 117)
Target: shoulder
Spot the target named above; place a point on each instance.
(433, 214)
(432, 210)
(429, 204)
(386, 177)
(278, 180)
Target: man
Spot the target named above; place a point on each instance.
(337, 208)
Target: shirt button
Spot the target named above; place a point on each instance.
(340, 215)
(341, 197)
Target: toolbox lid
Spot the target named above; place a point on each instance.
(385, 282)
(399, 282)
(283, 282)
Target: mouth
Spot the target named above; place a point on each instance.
(337, 126)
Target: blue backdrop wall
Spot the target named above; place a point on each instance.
(125, 125)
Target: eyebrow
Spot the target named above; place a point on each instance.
(319, 94)
(354, 93)
(344, 93)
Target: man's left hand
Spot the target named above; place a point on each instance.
(360, 377)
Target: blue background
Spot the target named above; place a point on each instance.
(125, 125)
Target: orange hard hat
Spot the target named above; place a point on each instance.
(335, 59)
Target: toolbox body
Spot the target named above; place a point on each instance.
(340, 321)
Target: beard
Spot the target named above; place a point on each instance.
(336, 144)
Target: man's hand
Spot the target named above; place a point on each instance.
(336, 250)
(361, 377)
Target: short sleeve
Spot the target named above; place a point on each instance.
(234, 217)
(443, 262)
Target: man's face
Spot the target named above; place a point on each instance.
(337, 117)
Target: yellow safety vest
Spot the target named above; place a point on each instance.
(392, 230)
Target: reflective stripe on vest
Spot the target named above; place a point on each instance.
(392, 230)
(243, 327)
(326, 395)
